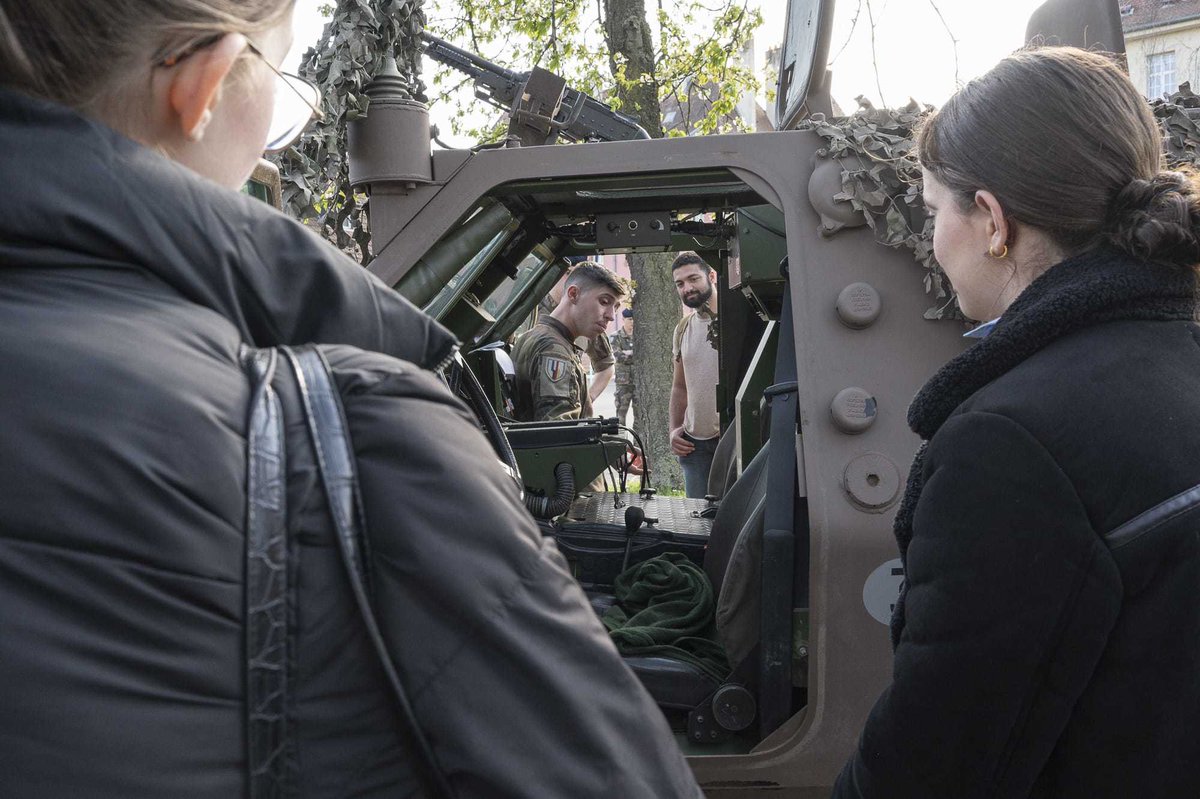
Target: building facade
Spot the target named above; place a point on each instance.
(1162, 44)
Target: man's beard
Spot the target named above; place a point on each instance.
(697, 300)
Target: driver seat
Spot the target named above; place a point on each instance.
(729, 563)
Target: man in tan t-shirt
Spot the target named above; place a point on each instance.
(695, 425)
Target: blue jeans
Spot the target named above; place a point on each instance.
(696, 466)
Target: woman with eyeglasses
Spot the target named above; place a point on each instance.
(1047, 639)
(135, 281)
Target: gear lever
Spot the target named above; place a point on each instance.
(634, 516)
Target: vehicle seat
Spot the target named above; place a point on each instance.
(723, 474)
(738, 525)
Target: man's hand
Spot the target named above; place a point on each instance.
(680, 445)
(599, 382)
(632, 461)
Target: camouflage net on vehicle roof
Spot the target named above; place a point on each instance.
(1180, 128)
(881, 178)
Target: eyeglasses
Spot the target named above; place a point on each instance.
(297, 101)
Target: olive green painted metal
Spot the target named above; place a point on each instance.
(753, 270)
(751, 291)
(429, 275)
(527, 292)
(749, 417)
(589, 460)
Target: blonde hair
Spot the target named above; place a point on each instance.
(87, 54)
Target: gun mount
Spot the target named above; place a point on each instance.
(541, 105)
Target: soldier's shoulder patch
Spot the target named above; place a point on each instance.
(555, 368)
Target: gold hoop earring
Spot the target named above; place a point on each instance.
(999, 255)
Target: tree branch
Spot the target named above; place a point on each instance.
(874, 55)
(953, 40)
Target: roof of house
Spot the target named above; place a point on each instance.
(1139, 15)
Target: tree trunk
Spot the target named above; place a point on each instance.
(656, 304)
(628, 35)
(656, 313)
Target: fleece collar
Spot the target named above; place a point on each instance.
(1087, 289)
(87, 197)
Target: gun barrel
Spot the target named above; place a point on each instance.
(500, 87)
(443, 52)
(598, 121)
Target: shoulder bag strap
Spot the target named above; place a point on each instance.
(335, 460)
(266, 585)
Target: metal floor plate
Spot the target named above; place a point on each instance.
(674, 514)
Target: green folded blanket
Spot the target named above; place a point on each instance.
(665, 608)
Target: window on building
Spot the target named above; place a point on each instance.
(1160, 74)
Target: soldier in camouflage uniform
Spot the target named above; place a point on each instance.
(598, 350)
(622, 349)
(551, 382)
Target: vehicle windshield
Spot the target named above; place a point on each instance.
(506, 302)
(464, 277)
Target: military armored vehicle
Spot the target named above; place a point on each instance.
(823, 344)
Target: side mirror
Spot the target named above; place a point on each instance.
(804, 53)
(264, 184)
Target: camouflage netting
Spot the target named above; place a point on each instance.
(880, 176)
(881, 179)
(315, 171)
(1182, 132)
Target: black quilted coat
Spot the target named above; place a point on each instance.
(1048, 639)
(127, 289)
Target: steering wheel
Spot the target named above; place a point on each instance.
(464, 385)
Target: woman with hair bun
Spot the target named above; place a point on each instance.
(1047, 639)
(147, 649)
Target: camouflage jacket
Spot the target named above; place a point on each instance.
(622, 350)
(598, 350)
(551, 383)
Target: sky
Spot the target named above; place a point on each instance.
(928, 72)
(985, 33)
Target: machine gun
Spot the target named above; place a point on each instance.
(541, 105)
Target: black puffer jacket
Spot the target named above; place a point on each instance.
(1048, 641)
(127, 288)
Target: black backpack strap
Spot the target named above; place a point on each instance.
(266, 585)
(335, 460)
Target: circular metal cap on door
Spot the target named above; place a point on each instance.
(853, 410)
(858, 305)
(872, 482)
